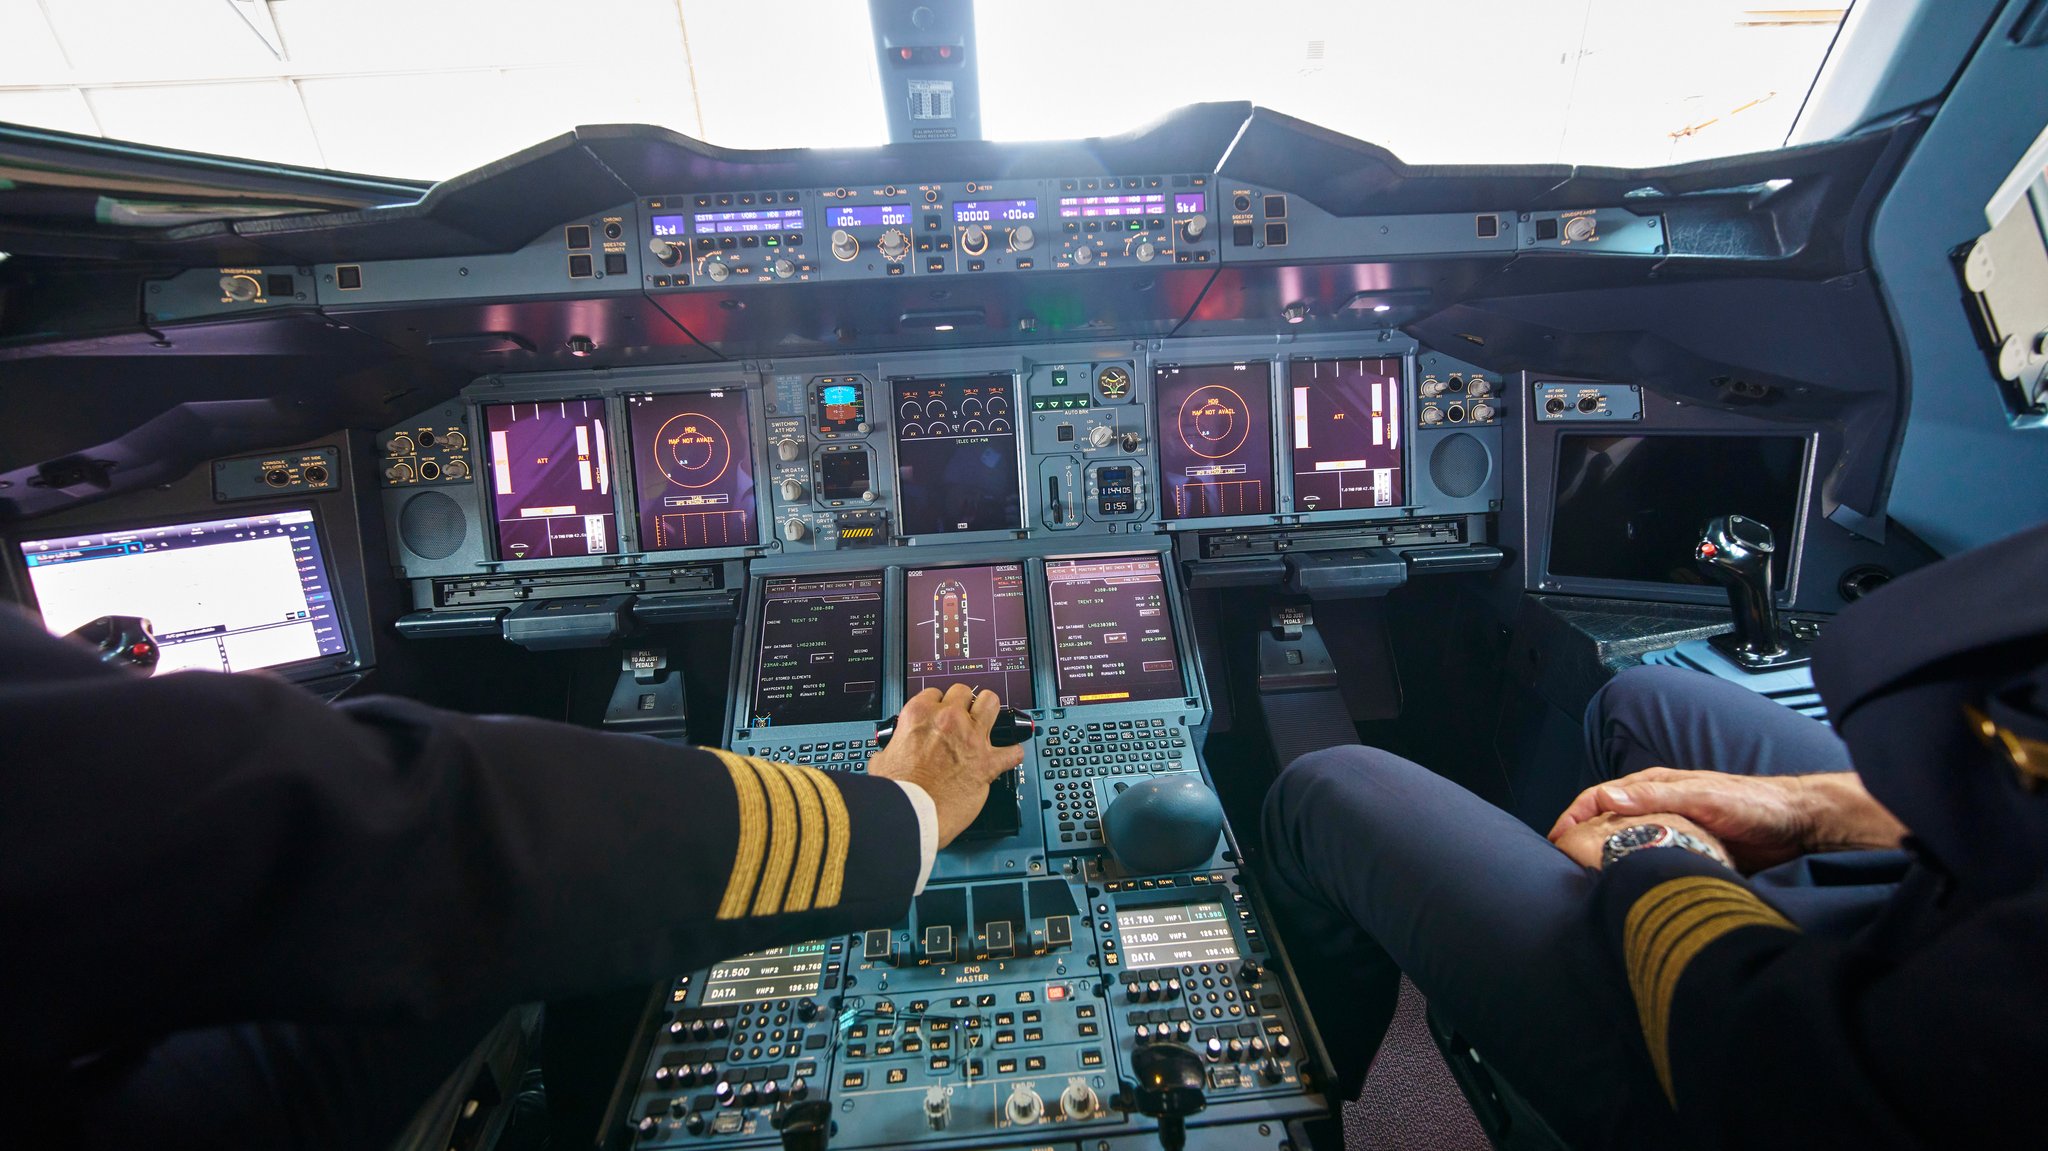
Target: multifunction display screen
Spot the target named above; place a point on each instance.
(745, 221)
(868, 216)
(842, 403)
(693, 470)
(777, 973)
(1215, 440)
(1345, 432)
(551, 484)
(1633, 507)
(219, 595)
(821, 651)
(1112, 632)
(1173, 936)
(956, 450)
(1131, 204)
(967, 625)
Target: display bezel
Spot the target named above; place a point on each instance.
(349, 658)
(1410, 429)
(1161, 482)
(1544, 520)
(745, 702)
(1019, 450)
(1032, 643)
(487, 489)
(753, 444)
(1180, 652)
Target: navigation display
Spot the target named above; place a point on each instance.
(693, 470)
(1174, 936)
(551, 484)
(777, 973)
(1345, 433)
(1215, 440)
(821, 651)
(219, 595)
(1112, 632)
(968, 625)
(956, 449)
(1632, 507)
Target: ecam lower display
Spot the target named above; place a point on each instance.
(1112, 630)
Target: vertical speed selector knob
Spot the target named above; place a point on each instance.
(1022, 237)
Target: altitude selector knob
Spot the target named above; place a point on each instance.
(844, 246)
(974, 241)
(894, 244)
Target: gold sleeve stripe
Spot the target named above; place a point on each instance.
(1665, 930)
(810, 816)
(782, 838)
(838, 837)
(752, 839)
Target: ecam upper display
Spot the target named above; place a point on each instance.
(956, 455)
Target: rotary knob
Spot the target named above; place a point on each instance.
(1579, 229)
(664, 249)
(974, 241)
(1481, 411)
(1100, 436)
(1432, 416)
(1131, 442)
(718, 271)
(784, 268)
(1022, 237)
(844, 246)
(399, 473)
(1079, 1100)
(1194, 226)
(1145, 252)
(1024, 1106)
(240, 289)
(401, 445)
(1432, 388)
(793, 529)
(456, 469)
(792, 490)
(1084, 255)
(868, 497)
(894, 244)
(1478, 386)
(787, 449)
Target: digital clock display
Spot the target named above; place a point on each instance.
(868, 216)
(989, 211)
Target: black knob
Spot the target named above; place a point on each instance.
(1169, 1089)
(1738, 551)
(719, 1027)
(806, 1009)
(807, 1126)
(1249, 973)
(694, 1123)
(725, 1092)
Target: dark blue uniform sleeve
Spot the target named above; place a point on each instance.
(1766, 1037)
(200, 849)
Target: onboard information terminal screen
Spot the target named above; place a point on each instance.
(968, 625)
(551, 484)
(821, 651)
(693, 470)
(1112, 632)
(1215, 440)
(219, 595)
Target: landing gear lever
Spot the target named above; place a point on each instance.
(1738, 552)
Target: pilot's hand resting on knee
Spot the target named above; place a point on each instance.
(1758, 821)
(942, 745)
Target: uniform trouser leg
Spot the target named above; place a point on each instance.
(1671, 717)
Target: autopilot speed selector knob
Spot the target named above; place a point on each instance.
(1022, 237)
(844, 245)
(664, 249)
(974, 241)
(894, 244)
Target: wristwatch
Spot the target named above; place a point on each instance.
(1630, 840)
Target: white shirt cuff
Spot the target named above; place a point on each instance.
(927, 830)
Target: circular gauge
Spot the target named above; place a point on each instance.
(912, 410)
(972, 428)
(909, 431)
(1213, 422)
(936, 409)
(997, 427)
(692, 450)
(1113, 382)
(997, 405)
(970, 407)
(938, 428)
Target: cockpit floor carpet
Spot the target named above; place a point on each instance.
(1410, 1101)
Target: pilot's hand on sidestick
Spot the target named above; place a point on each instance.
(941, 745)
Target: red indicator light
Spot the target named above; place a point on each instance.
(1708, 550)
(139, 650)
(945, 53)
(903, 52)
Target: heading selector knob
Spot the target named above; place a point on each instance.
(1022, 237)
(844, 246)
(894, 244)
